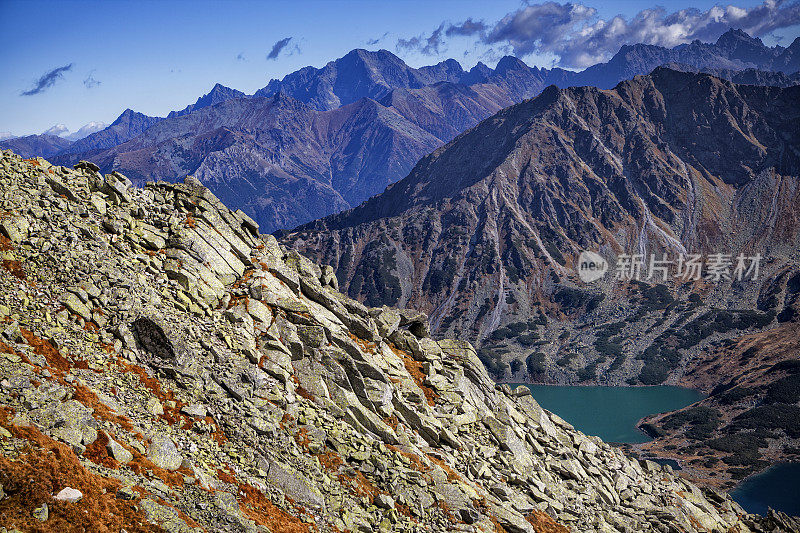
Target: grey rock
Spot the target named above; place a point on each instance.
(295, 485)
(118, 452)
(163, 453)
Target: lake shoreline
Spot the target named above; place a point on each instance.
(612, 413)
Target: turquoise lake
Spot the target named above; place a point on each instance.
(611, 413)
(777, 487)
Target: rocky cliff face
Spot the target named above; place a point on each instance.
(486, 231)
(165, 367)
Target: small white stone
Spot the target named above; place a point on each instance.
(68, 494)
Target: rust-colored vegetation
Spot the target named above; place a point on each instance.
(262, 511)
(543, 523)
(46, 467)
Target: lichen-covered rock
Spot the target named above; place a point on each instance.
(163, 453)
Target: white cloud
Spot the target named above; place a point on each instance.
(576, 35)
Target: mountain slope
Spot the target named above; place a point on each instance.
(169, 369)
(750, 420)
(43, 145)
(127, 126)
(486, 229)
(281, 161)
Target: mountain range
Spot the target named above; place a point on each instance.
(486, 231)
(485, 236)
(365, 118)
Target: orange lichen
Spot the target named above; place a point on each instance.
(304, 393)
(543, 523)
(416, 461)
(330, 461)
(497, 527)
(452, 475)
(189, 222)
(171, 414)
(286, 419)
(5, 243)
(5, 348)
(246, 276)
(225, 476)
(217, 434)
(97, 452)
(145, 467)
(415, 369)
(404, 510)
(301, 437)
(107, 347)
(391, 421)
(369, 347)
(362, 486)
(101, 410)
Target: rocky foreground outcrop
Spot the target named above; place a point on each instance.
(165, 367)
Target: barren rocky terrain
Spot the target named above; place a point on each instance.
(165, 367)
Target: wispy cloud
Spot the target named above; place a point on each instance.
(430, 46)
(578, 37)
(373, 42)
(47, 80)
(90, 82)
(278, 47)
(468, 27)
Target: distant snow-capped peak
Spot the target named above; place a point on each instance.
(61, 130)
(86, 130)
(58, 130)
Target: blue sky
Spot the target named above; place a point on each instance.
(159, 56)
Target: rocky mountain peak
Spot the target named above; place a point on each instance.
(736, 37)
(125, 116)
(172, 369)
(508, 63)
(219, 93)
